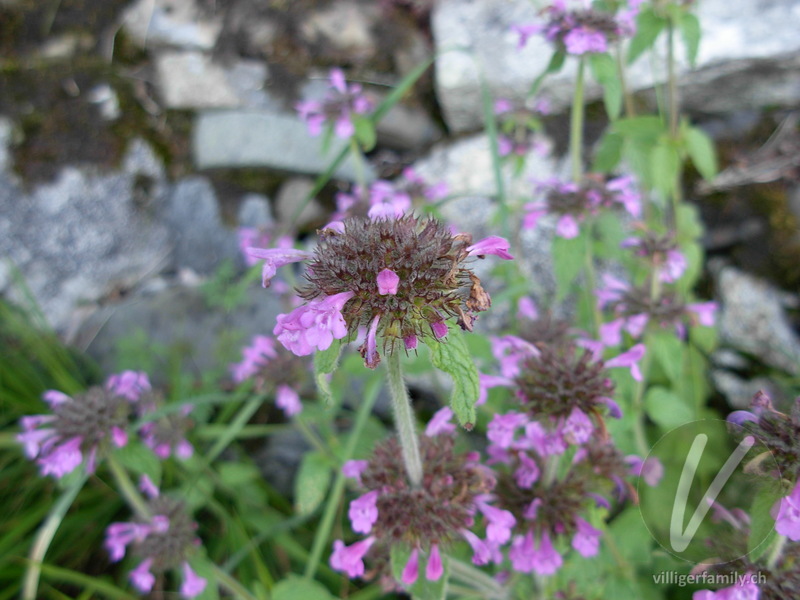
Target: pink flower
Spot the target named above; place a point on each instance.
(705, 312)
(274, 258)
(440, 422)
(503, 428)
(744, 590)
(129, 384)
(147, 487)
(651, 470)
(526, 308)
(527, 473)
(350, 559)
(491, 245)
(387, 282)
(629, 359)
(370, 349)
(481, 552)
(354, 468)
(364, 512)
(411, 570)
(578, 427)
(193, 585)
(500, 523)
(435, 569)
(788, 520)
(313, 325)
(287, 400)
(439, 329)
(141, 577)
(586, 539)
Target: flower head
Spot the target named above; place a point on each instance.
(337, 108)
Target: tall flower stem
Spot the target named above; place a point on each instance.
(404, 420)
(127, 488)
(576, 125)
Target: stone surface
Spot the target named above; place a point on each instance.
(177, 23)
(753, 319)
(345, 25)
(255, 211)
(6, 137)
(172, 316)
(466, 167)
(201, 242)
(79, 238)
(292, 193)
(747, 58)
(738, 391)
(407, 128)
(190, 79)
(262, 138)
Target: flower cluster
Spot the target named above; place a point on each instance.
(571, 203)
(398, 278)
(84, 426)
(422, 519)
(274, 370)
(634, 307)
(163, 541)
(386, 199)
(661, 252)
(518, 128)
(581, 31)
(337, 108)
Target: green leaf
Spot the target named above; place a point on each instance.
(140, 459)
(609, 152)
(325, 362)
(311, 483)
(648, 26)
(666, 408)
(702, 152)
(665, 165)
(452, 356)
(689, 25)
(668, 351)
(297, 588)
(688, 223)
(568, 259)
(762, 525)
(554, 66)
(645, 128)
(234, 474)
(365, 133)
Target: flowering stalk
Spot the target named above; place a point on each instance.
(576, 125)
(404, 420)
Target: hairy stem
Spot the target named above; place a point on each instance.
(576, 125)
(404, 420)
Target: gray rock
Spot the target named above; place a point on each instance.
(466, 167)
(261, 138)
(78, 239)
(190, 79)
(201, 241)
(255, 211)
(739, 392)
(407, 128)
(292, 193)
(179, 316)
(757, 39)
(6, 137)
(753, 319)
(346, 25)
(107, 101)
(176, 23)
(140, 160)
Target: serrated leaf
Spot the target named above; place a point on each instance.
(365, 133)
(688, 223)
(665, 164)
(648, 27)
(762, 525)
(689, 25)
(702, 152)
(668, 351)
(666, 408)
(136, 457)
(325, 362)
(311, 483)
(452, 356)
(609, 152)
(569, 256)
(645, 128)
(297, 588)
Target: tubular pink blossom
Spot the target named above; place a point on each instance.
(350, 559)
(313, 325)
(193, 585)
(354, 468)
(411, 570)
(141, 577)
(370, 350)
(434, 569)
(364, 512)
(629, 359)
(387, 282)
(274, 258)
(586, 539)
(567, 227)
(491, 245)
(440, 422)
(439, 329)
(481, 553)
(287, 400)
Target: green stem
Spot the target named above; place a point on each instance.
(576, 125)
(591, 280)
(358, 161)
(404, 420)
(638, 408)
(225, 580)
(776, 551)
(630, 106)
(326, 524)
(44, 537)
(476, 579)
(127, 488)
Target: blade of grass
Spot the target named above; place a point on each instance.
(109, 590)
